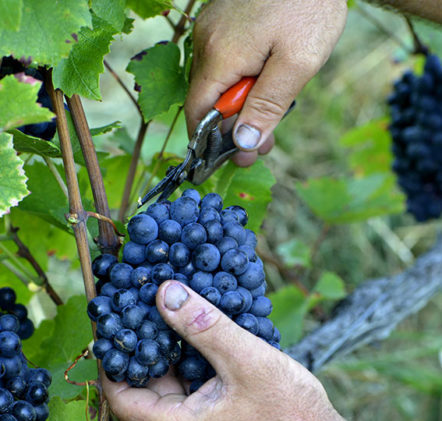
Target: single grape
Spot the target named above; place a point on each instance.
(142, 229)
(193, 235)
(224, 281)
(157, 251)
(206, 257)
(201, 280)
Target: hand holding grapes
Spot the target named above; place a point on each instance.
(254, 380)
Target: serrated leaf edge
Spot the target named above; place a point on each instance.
(12, 202)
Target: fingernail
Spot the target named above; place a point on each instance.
(175, 296)
(247, 136)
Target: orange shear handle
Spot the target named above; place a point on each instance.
(233, 99)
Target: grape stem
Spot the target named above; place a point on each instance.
(105, 219)
(419, 46)
(84, 354)
(132, 170)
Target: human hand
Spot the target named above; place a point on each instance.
(285, 43)
(253, 381)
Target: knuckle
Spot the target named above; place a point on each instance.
(269, 108)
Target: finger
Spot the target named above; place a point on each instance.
(204, 91)
(244, 159)
(279, 82)
(230, 349)
(167, 384)
(209, 78)
(267, 146)
(128, 403)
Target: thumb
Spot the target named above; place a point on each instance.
(279, 82)
(229, 348)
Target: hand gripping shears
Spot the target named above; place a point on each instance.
(208, 149)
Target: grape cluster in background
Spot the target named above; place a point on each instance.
(416, 129)
(23, 390)
(45, 130)
(194, 241)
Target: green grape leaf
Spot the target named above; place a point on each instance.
(51, 240)
(10, 12)
(161, 78)
(32, 347)
(348, 200)
(123, 140)
(370, 147)
(96, 131)
(18, 104)
(112, 11)
(61, 411)
(48, 30)
(290, 306)
(128, 26)
(149, 8)
(31, 144)
(80, 72)
(247, 187)
(330, 286)
(84, 370)
(12, 177)
(294, 253)
(46, 199)
(72, 333)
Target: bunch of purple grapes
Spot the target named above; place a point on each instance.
(416, 129)
(194, 241)
(8, 305)
(23, 390)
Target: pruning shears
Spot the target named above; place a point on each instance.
(208, 149)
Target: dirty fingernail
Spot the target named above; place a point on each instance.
(175, 296)
(247, 136)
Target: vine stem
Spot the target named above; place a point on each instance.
(123, 85)
(76, 210)
(132, 170)
(24, 252)
(56, 175)
(180, 27)
(108, 240)
(161, 153)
